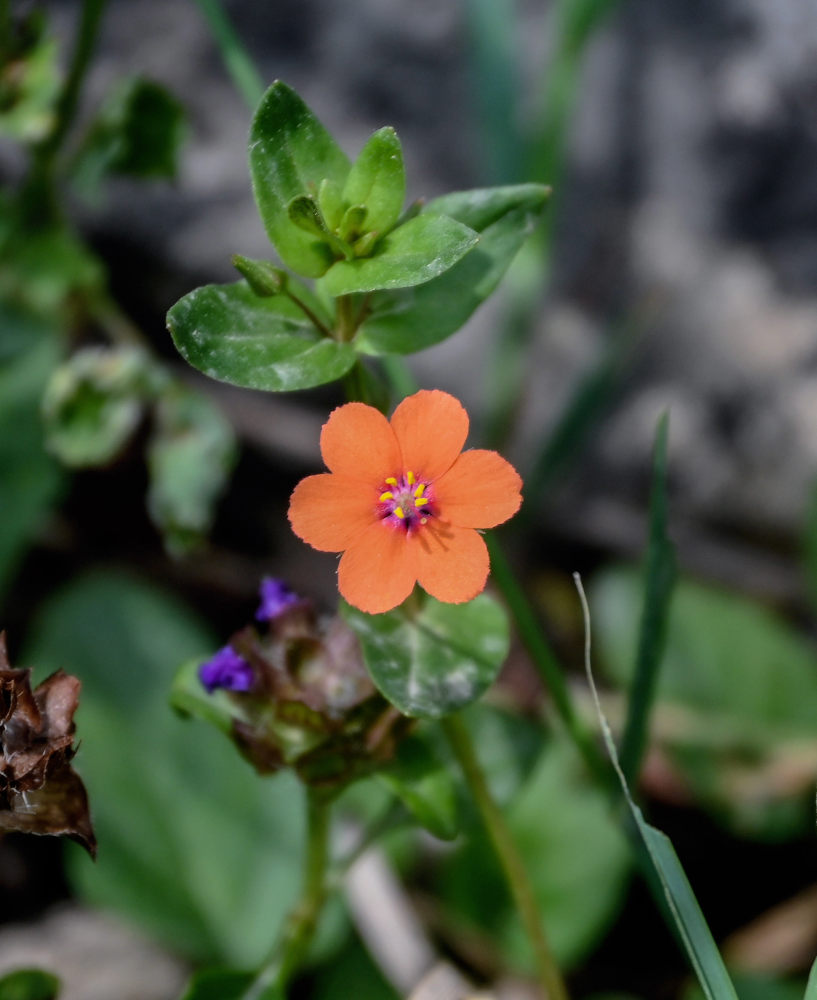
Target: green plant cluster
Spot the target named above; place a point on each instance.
(386, 281)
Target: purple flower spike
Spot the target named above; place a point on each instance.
(226, 670)
(276, 597)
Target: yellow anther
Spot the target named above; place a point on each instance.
(419, 502)
(410, 478)
(399, 512)
(386, 496)
(391, 481)
(420, 490)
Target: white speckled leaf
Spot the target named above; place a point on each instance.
(438, 660)
(231, 334)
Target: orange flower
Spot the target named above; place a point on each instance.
(404, 503)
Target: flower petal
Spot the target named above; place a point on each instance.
(376, 572)
(431, 427)
(358, 441)
(329, 511)
(452, 562)
(480, 490)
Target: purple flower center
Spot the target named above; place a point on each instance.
(276, 597)
(226, 670)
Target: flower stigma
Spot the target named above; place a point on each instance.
(405, 502)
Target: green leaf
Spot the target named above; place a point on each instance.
(402, 322)
(754, 987)
(738, 696)
(378, 180)
(437, 660)
(43, 270)
(29, 984)
(811, 988)
(677, 897)
(224, 984)
(195, 848)
(330, 202)
(423, 783)
(660, 573)
(690, 924)
(725, 654)
(351, 225)
(31, 479)
(231, 334)
(414, 253)
(190, 457)
(575, 855)
(291, 153)
(138, 132)
(94, 402)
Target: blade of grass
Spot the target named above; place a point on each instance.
(544, 148)
(688, 920)
(811, 987)
(660, 575)
(248, 81)
(580, 415)
(495, 85)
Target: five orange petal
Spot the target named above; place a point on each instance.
(403, 503)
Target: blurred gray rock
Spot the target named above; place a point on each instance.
(94, 956)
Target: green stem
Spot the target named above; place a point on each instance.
(544, 658)
(509, 858)
(310, 315)
(289, 951)
(39, 193)
(248, 81)
(92, 11)
(346, 325)
(116, 324)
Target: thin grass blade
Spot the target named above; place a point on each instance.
(661, 573)
(678, 898)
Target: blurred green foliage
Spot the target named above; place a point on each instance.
(29, 984)
(736, 700)
(572, 847)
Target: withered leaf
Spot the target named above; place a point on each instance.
(39, 790)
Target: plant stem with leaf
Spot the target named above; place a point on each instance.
(508, 854)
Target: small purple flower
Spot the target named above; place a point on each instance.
(226, 670)
(276, 597)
